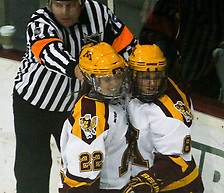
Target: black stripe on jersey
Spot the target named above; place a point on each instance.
(63, 96)
(31, 79)
(71, 119)
(84, 19)
(67, 42)
(63, 60)
(55, 93)
(48, 84)
(46, 28)
(35, 17)
(46, 53)
(106, 116)
(38, 83)
(61, 101)
(116, 28)
(73, 81)
(33, 34)
(22, 71)
(88, 107)
(89, 31)
(102, 10)
(81, 40)
(45, 91)
(164, 109)
(30, 32)
(95, 15)
(76, 40)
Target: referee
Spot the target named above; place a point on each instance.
(48, 80)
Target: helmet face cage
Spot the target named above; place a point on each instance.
(148, 85)
(105, 70)
(148, 72)
(109, 87)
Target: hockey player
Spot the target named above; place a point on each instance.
(42, 97)
(93, 138)
(161, 118)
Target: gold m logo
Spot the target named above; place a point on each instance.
(88, 55)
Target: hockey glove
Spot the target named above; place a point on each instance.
(136, 185)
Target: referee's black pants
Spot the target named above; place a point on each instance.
(33, 129)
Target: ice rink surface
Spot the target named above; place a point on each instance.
(8, 69)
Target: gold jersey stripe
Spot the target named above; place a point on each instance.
(73, 183)
(76, 184)
(77, 113)
(183, 96)
(168, 103)
(179, 161)
(182, 182)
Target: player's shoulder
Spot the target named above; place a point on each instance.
(174, 95)
(96, 4)
(40, 13)
(90, 105)
(89, 119)
(42, 16)
(175, 103)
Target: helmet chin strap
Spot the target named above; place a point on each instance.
(148, 98)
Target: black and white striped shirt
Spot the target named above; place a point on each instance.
(46, 78)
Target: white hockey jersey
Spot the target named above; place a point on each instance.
(163, 148)
(93, 143)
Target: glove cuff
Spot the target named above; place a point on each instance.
(144, 177)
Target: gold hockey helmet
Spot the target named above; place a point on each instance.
(147, 58)
(148, 72)
(103, 69)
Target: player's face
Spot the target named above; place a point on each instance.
(110, 85)
(148, 82)
(66, 12)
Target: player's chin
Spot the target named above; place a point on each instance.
(151, 91)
